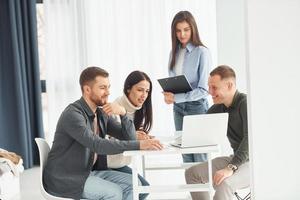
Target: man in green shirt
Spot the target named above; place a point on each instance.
(230, 172)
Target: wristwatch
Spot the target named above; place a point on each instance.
(232, 167)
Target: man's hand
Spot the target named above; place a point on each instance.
(169, 97)
(113, 108)
(150, 144)
(141, 135)
(220, 175)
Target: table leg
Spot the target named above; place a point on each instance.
(135, 178)
(210, 178)
(143, 166)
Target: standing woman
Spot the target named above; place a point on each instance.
(136, 100)
(190, 57)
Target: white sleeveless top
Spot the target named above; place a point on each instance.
(179, 62)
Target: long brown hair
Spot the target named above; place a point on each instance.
(143, 117)
(195, 39)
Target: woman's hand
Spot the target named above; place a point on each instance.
(142, 135)
(169, 97)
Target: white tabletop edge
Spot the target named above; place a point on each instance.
(174, 150)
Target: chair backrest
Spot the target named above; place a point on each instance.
(43, 153)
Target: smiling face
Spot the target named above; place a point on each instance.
(138, 93)
(220, 90)
(98, 90)
(183, 32)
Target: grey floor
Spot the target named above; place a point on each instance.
(29, 182)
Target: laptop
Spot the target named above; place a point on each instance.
(202, 130)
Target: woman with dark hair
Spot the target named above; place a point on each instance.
(191, 58)
(137, 102)
(138, 89)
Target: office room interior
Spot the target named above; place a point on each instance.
(259, 39)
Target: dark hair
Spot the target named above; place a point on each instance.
(142, 117)
(223, 71)
(89, 74)
(195, 39)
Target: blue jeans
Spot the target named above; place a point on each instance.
(143, 181)
(190, 108)
(108, 185)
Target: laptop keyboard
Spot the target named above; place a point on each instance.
(177, 141)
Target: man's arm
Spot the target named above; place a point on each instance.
(122, 131)
(241, 155)
(73, 123)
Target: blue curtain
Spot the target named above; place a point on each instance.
(20, 88)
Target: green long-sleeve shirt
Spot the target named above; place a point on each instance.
(237, 132)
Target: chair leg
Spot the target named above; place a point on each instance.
(247, 197)
(237, 196)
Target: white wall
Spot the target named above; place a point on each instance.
(120, 36)
(231, 44)
(274, 46)
(231, 38)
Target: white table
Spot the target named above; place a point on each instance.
(138, 156)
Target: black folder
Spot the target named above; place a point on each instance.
(175, 84)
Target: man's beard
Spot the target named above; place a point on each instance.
(99, 102)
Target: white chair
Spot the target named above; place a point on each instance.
(43, 152)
